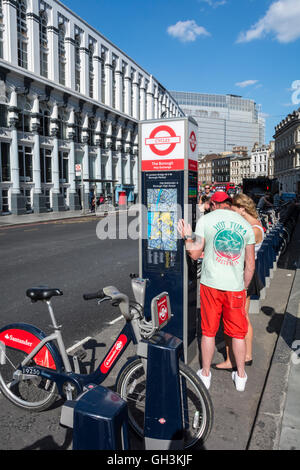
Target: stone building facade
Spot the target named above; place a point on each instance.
(67, 96)
(287, 153)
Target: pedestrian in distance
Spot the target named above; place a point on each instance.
(228, 266)
(206, 194)
(264, 202)
(245, 206)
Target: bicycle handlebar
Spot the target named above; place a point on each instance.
(95, 295)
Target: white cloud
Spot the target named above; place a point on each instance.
(246, 83)
(282, 20)
(214, 3)
(187, 31)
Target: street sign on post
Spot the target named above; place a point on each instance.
(169, 184)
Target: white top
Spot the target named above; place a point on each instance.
(258, 245)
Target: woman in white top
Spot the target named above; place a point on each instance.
(245, 206)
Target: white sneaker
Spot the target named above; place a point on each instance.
(205, 379)
(240, 382)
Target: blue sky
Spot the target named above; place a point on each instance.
(245, 47)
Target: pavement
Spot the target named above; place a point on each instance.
(267, 415)
(11, 220)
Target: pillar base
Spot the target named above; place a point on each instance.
(74, 202)
(58, 203)
(18, 204)
(86, 201)
(39, 204)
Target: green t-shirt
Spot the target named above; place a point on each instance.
(226, 235)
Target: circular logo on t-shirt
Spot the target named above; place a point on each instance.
(228, 244)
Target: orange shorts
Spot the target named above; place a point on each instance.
(214, 303)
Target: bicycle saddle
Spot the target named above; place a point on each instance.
(42, 293)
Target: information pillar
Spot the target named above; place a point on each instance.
(168, 183)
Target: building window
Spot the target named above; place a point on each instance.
(46, 165)
(25, 163)
(91, 68)
(91, 130)
(77, 61)
(3, 115)
(43, 44)
(78, 128)
(5, 163)
(63, 167)
(22, 34)
(5, 201)
(45, 123)
(62, 125)
(92, 164)
(23, 123)
(61, 54)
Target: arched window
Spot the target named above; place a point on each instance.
(61, 54)
(43, 44)
(22, 33)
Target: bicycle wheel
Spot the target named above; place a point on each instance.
(197, 409)
(27, 391)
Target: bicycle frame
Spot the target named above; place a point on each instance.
(66, 377)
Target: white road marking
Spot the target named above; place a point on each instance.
(75, 346)
(115, 320)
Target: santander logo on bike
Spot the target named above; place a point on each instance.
(113, 354)
(162, 310)
(25, 342)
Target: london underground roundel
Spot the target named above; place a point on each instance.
(162, 140)
(193, 141)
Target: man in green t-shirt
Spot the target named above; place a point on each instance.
(227, 240)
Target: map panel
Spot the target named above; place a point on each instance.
(162, 219)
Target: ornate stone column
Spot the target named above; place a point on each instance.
(74, 200)
(17, 200)
(53, 47)
(98, 169)
(97, 63)
(119, 166)
(128, 91)
(119, 85)
(156, 112)
(85, 160)
(33, 39)
(108, 78)
(150, 99)
(84, 66)
(70, 60)
(136, 95)
(56, 196)
(39, 205)
(143, 100)
(10, 35)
